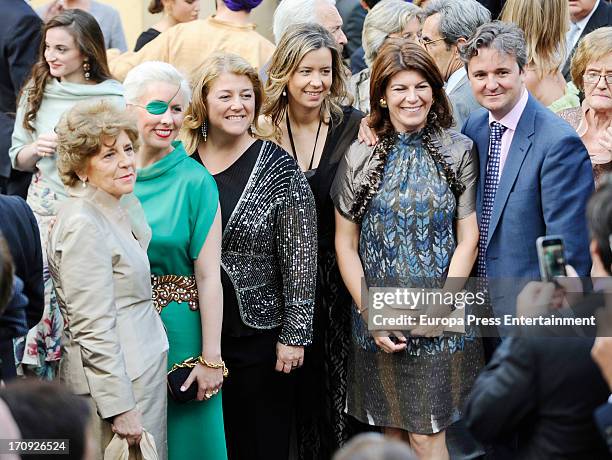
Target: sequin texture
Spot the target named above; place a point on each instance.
(269, 248)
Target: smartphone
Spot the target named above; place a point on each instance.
(551, 256)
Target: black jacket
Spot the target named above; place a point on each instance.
(603, 417)
(541, 391)
(20, 30)
(20, 230)
(602, 17)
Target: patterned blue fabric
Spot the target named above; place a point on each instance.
(488, 197)
(407, 237)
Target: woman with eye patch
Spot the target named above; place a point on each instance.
(181, 204)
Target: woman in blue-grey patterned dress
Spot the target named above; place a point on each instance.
(405, 217)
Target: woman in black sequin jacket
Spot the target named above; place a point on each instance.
(268, 259)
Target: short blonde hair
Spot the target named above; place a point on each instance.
(211, 69)
(545, 23)
(296, 43)
(386, 18)
(80, 135)
(593, 47)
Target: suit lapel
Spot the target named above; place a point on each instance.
(521, 142)
(601, 18)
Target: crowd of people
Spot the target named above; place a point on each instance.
(188, 230)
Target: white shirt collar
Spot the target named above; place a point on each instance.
(455, 78)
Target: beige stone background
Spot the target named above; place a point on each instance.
(136, 18)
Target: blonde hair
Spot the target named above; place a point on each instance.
(80, 135)
(592, 47)
(545, 23)
(386, 18)
(294, 45)
(211, 69)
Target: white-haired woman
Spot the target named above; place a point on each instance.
(180, 200)
(388, 19)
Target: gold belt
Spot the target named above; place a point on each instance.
(174, 288)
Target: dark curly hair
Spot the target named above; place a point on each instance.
(395, 56)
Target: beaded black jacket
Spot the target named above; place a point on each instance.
(269, 248)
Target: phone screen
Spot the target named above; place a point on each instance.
(553, 259)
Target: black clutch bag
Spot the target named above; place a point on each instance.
(177, 376)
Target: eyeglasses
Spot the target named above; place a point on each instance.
(158, 107)
(403, 36)
(593, 78)
(426, 43)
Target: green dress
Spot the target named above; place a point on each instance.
(180, 200)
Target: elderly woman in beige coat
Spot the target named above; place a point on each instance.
(114, 344)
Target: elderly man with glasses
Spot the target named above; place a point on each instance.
(446, 27)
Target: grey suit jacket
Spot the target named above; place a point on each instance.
(463, 102)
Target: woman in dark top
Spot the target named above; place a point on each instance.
(305, 90)
(175, 12)
(268, 257)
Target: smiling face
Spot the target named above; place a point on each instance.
(183, 10)
(230, 105)
(599, 95)
(497, 82)
(311, 81)
(112, 168)
(158, 131)
(64, 58)
(409, 98)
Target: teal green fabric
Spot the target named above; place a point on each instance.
(180, 200)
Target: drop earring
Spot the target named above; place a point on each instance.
(205, 130)
(86, 68)
(383, 103)
(284, 93)
(84, 183)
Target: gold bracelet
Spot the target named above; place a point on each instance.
(219, 365)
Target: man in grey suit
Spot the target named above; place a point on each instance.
(447, 26)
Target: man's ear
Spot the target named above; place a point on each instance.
(460, 44)
(596, 257)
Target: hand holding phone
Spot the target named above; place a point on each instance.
(551, 256)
